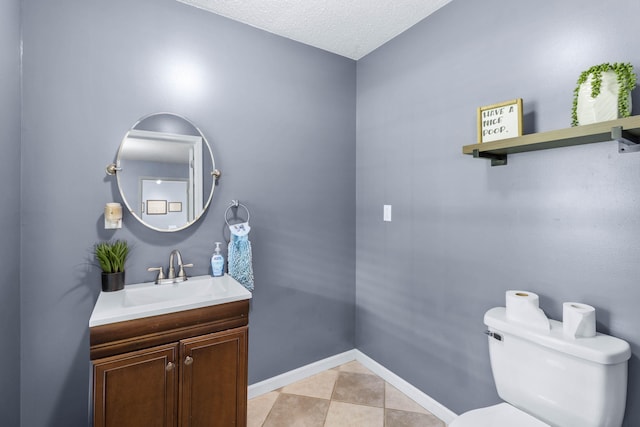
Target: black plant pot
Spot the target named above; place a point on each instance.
(112, 281)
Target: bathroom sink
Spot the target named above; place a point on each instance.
(192, 289)
(148, 299)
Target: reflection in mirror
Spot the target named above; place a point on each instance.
(165, 172)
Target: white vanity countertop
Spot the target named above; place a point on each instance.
(148, 299)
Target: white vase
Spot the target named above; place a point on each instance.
(604, 106)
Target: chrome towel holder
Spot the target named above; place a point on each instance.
(235, 205)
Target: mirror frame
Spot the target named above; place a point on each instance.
(214, 174)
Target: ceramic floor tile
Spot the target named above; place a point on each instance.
(395, 399)
(258, 408)
(320, 385)
(362, 389)
(349, 415)
(394, 418)
(291, 410)
(355, 366)
(359, 398)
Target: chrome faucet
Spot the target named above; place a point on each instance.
(171, 274)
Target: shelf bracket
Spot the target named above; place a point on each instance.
(496, 159)
(627, 142)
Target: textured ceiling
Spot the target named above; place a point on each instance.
(350, 28)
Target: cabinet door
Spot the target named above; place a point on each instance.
(136, 389)
(213, 382)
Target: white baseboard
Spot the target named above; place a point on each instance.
(279, 381)
(306, 371)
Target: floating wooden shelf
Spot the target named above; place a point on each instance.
(626, 131)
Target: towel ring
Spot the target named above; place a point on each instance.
(235, 204)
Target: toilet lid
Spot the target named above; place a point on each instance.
(498, 415)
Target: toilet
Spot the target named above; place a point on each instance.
(546, 379)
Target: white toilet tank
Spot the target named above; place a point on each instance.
(561, 381)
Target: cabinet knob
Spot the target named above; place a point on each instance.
(170, 366)
(188, 360)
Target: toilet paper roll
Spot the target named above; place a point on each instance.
(523, 307)
(578, 320)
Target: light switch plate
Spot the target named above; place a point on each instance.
(386, 216)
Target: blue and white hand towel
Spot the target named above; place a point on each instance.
(240, 264)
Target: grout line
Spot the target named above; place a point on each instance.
(384, 402)
(270, 409)
(324, 422)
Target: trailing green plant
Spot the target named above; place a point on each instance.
(112, 255)
(626, 83)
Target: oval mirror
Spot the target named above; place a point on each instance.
(166, 173)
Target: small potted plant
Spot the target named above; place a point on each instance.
(112, 256)
(603, 92)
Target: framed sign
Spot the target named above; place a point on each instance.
(175, 206)
(500, 121)
(156, 207)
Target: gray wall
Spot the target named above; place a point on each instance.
(563, 223)
(281, 120)
(10, 212)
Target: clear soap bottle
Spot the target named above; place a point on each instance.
(217, 262)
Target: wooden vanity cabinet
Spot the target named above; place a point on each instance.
(136, 389)
(186, 369)
(213, 382)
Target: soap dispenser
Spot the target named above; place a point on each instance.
(217, 262)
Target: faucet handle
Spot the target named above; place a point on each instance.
(181, 273)
(160, 273)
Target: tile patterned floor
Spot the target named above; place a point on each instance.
(347, 396)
